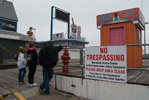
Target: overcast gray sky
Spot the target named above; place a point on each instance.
(37, 13)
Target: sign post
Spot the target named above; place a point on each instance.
(59, 15)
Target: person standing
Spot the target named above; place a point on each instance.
(21, 63)
(48, 58)
(32, 61)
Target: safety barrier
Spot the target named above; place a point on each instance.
(6, 56)
(145, 55)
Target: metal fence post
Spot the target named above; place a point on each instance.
(1, 55)
(81, 64)
(81, 56)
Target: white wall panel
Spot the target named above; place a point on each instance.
(102, 90)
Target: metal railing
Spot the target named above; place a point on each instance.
(80, 61)
(6, 56)
(145, 55)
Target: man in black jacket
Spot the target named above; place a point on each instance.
(48, 58)
(32, 61)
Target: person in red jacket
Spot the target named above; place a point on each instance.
(32, 61)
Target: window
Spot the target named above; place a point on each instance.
(139, 36)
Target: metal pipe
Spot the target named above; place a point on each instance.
(138, 45)
(82, 73)
(148, 48)
(68, 28)
(52, 22)
(145, 38)
(144, 41)
(72, 47)
(81, 57)
(138, 68)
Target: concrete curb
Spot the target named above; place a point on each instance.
(22, 95)
(1, 97)
(30, 92)
(18, 96)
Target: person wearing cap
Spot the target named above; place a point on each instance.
(21, 63)
(32, 61)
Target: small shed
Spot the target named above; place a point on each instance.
(123, 28)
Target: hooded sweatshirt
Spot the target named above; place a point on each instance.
(21, 62)
(32, 57)
(48, 56)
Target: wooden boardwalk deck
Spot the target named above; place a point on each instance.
(138, 77)
(9, 77)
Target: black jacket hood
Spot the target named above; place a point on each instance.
(48, 46)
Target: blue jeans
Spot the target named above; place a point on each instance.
(47, 76)
(21, 75)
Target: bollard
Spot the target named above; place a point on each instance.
(65, 57)
(1, 97)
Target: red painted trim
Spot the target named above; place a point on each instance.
(119, 26)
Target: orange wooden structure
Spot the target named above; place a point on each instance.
(123, 28)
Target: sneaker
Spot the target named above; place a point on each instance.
(40, 90)
(21, 83)
(31, 85)
(46, 93)
(34, 84)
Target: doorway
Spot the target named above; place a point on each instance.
(117, 36)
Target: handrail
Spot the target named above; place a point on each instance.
(129, 45)
(138, 45)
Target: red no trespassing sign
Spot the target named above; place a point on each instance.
(107, 63)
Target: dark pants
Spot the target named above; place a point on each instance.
(47, 76)
(21, 75)
(32, 69)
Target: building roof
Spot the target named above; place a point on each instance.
(7, 11)
(15, 36)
